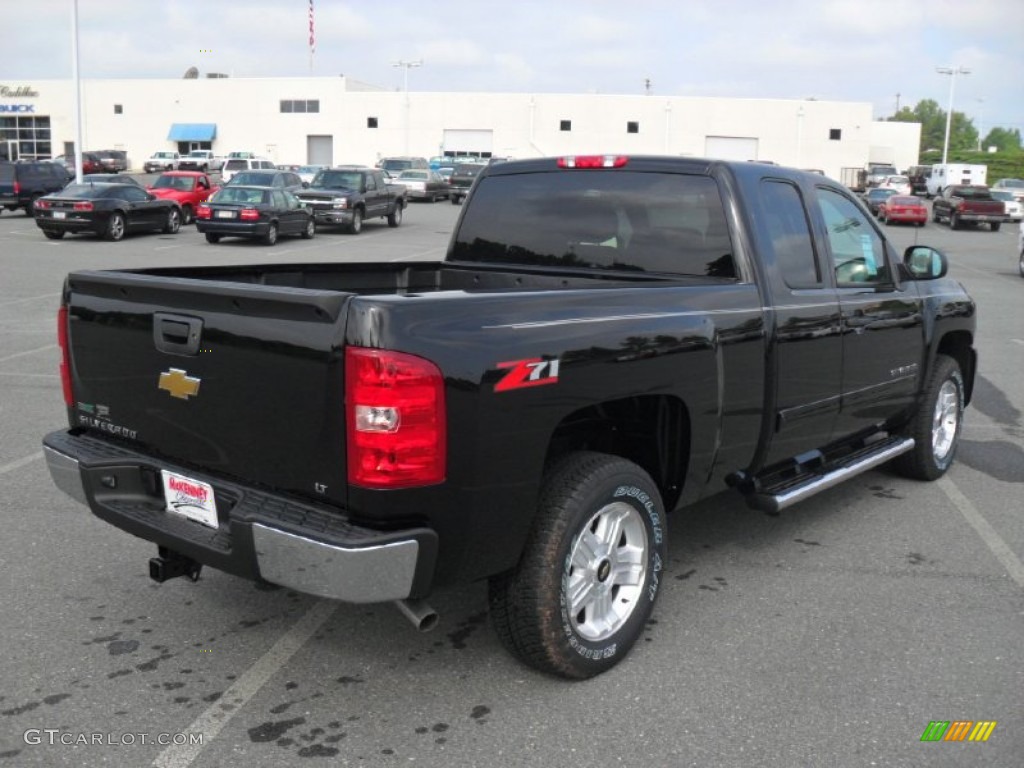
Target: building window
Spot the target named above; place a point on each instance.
(300, 105)
(632, 127)
(835, 134)
(118, 109)
(371, 122)
(565, 125)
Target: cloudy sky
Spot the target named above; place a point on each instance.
(879, 51)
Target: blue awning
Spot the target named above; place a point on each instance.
(192, 132)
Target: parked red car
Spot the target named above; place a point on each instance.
(189, 188)
(903, 208)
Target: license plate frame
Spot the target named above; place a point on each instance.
(225, 214)
(190, 498)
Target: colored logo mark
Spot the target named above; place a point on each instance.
(958, 730)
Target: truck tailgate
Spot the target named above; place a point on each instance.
(241, 380)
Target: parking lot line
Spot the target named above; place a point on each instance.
(988, 534)
(27, 352)
(210, 722)
(19, 463)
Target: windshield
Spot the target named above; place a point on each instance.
(396, 166)
(174, 182)
(338, 180)
(232, 165)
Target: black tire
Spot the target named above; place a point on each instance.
(30, 208)
(601, 518)
(994, 226)
(1020, 262)
(52, 234)
(937, 424)
(954, 220)
(357, 222)
(935, 215)
(455, 199)
(884, 218)
(172, 223)
(395, 217)
(271, 237)
(115, 227)
(187, 214)
(212, 238)
(309, 230)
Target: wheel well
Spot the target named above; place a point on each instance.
(958, 346)
(653, 431)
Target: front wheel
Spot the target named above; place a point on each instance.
(309, 230)
(590, 571)
(357, 222)
(1020, 263)
(455, 199)
(172, 223)
(994, 226)
(937, 423)
(395, 217)
(115, 227)
(954, 220)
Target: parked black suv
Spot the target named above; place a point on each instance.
(462, 179)
(22, 183)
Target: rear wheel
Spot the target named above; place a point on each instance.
(115, 227)
(994, 226)
(1020, 263)
(53, 234)
(172, 223)
(271, 237)
(590, 572)
(954, 220)
(395, 217)
(310, 229)
(212, 238)
(455, 199)
(357, 222)
(936, 424)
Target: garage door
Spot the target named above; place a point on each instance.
(730, 148)
(320, 150)
(468, 142)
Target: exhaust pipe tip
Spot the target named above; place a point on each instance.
(422, 616)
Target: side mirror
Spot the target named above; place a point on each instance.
(923, 262)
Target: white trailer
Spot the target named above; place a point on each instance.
(950, 174)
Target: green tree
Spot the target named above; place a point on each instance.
(962, 133)
(1004, 139)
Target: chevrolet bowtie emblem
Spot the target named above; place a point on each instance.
(179, 384)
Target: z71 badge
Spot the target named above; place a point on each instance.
(527, 373)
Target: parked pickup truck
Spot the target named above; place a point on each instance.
(189, 188)
(608, 339)
(347, 195)
(972, 205)
(201, 160)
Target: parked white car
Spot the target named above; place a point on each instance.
(235, 164)
(1014, 209)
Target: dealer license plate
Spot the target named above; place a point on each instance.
(189, 498)
(59, 214)
(225, 214)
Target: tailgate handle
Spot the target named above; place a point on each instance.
(177, 334)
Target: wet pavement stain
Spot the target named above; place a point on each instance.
(272, 731)
(117, 647)
(348, 680)
(882, 492)
(685, 576)
(916, 559)
(479, 713)
(466, 628)
(808, 543)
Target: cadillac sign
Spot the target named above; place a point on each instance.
(18, 92)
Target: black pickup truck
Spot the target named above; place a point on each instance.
(348, 195)
(608, 339)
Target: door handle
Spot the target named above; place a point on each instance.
(177, 334)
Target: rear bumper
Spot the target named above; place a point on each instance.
(234, 228)
(260, 535)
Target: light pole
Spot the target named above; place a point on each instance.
(981, 119)
(952, 72)
(407, 65)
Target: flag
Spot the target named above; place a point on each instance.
(312, 32)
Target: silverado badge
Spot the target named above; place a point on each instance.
(179, 384)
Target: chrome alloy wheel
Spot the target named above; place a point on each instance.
(607, 566)
(945, 420)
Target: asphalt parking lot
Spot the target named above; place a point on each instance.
(831, 635)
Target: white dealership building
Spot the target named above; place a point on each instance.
(335, 120)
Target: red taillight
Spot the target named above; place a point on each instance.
(593, 161)
(85, 206)
(395, 415)
(65, 358)
(249, 214)
(43, 205)
(203, 211)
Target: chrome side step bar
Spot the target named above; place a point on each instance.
(775, 498)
